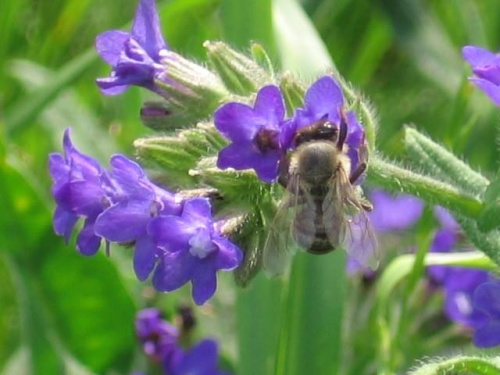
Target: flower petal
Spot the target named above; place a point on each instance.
(88, 166)
(490, 73)
(488, 335)
(204, 282)
(489, 88)
(266, 166)
(87, 242)
(229, 256)
(237, 122)
(144, 257)
(477, 56)
(146, 29)
(112, 85)
(202, 359)
(173, 271)
(171, 233)
(110, 44)
(57, 166)
(238, 156)
(269, 104)
(487, 299)
(198, 210)
(125, 221)
(325, 97)
(64, 222)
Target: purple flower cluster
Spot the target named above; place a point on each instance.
(486, 67)
(397, 213)
(160, 342)
(177, 239)
(136, 57)
(261, 135)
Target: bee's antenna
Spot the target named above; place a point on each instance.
(343, 130)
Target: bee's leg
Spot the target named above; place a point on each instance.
(363, 163)
(343, 131)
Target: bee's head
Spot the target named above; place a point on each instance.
(321, 130)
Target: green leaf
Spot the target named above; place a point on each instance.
(21, 114)
(460, 365)
(299, 44)
(311, 338)
(397, 179)
(435, 158)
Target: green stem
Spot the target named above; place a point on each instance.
(395, 178)
(460, 365)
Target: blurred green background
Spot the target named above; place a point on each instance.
(63, 313)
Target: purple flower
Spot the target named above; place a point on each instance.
(486, 299)
(324, 101)
(202, 359)
(136, 202)
(78, 192)
(486, 67)
(136, 57)
(394, 213)
(194, 250)
(158, 337)
(254, 133)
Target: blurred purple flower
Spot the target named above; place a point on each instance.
(324, 100)
(194, 250)
(136, 202)
(394, 213)
(158, 337)
(78, 193)
(254, 133)
(486, 66)
(486, 300)
(136, 57)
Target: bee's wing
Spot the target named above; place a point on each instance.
(349, 223)
(361, 241)
(279, 244)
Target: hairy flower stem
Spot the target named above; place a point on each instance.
(460, 365)
(395, 178)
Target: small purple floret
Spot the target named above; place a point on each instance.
(136, 57)
(254, 133)
(486, 300)
(193, 250)
(78, 192)
(486, 67)
(158, 337)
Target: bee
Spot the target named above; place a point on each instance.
(322, 207)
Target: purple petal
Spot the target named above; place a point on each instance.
(110, 45)
(173, 271)
(198, 210)
(487, 336)
(87, 242)
(229, 256)
(270, 105)
(392, 213)
(237, 122)
(445, 219)
(88, 166)
(202, 359)
(81, 197)
(238, 156)
(144, 257)
(146, 29)
(325, 97)
(57, 166)
(355, 132)
(112, 85)
(477, 56)
(490, 73)
(171, 232)
(490, 89)
(125, 221)
(64, 222)
(487, 299)
(266, 166)
(204, 283)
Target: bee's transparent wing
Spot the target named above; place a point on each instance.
(279, 245)
(361, 241)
